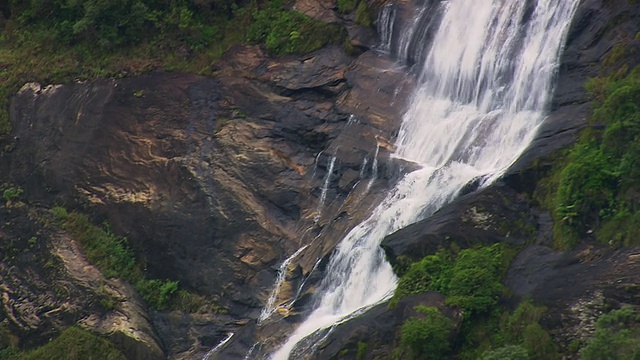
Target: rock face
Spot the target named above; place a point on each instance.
(217, 180)
(375, 333)
(494, 214)
(48, 285)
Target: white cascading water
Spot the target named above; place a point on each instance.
(271, 306)
(486, 81)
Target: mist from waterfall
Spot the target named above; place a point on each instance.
(486, 69)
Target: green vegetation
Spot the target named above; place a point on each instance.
(347, 6)
(363, 16)
(285, 31)
(66, 40)
(11, 194)
(471, 280)
(73, 344)
(617, 336)
(102, 248)
(115, 258)
(509, 352)
(598, 181)
(362, 350)
(522, 328)
(426, 337)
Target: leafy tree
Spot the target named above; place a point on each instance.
(617, 336)
(426, 337)
(286, 31)
(509, 352)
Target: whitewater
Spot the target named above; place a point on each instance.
(486, 75)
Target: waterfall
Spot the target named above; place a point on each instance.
(271, 306)
(374, 169)
(219, 346)
(486, 76)
(325, 186)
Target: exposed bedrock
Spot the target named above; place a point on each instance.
(217, 180)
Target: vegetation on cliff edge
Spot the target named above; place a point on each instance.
(69, 40)
(72, 343)
(594, 189)
(471, 281)
(113, 256)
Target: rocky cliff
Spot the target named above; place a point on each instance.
(217, 180)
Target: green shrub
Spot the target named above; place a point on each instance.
(363, 17)
(598, 184)
(362, 350)
(75, 344)
(103, 248)
(427, 274)
(470, 281)
(157, 293)
(285, 31)
(347, 6)
(617, 336)
(5, 123)
(115, 258)
(12, 193)
(510, 335)
(476, 279)
(190, 302)
(509, 352)
(587, 187)
(426, 337)
(522, 328)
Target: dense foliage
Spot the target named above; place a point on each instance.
(426, 337)
(598, 185)
(471, 280)
(617, 336)
(285, 31)
(112, 23)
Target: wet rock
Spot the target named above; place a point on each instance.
(494, 214)
(323, 70)
(576, 286)
(362, 37)
(379, 92)
(214, 181)
(377, 328)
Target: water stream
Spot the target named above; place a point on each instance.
(487, 69)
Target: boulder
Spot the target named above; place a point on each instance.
(490, 215)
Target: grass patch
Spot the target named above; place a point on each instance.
(72, 344)
(113, 255)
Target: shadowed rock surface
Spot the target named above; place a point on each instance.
(215, 181)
